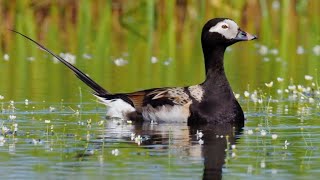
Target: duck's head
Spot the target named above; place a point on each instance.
(223, 31)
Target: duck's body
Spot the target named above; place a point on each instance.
(209, 102)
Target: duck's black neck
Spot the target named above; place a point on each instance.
(214, 65)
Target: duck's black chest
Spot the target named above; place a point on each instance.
(216, 111)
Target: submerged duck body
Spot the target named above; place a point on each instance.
(209, 102)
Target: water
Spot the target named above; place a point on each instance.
(92, 147)
(64, 140)
(62, 132)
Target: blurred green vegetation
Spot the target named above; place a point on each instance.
(100, 31)
(158, 44)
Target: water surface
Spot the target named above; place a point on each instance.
(52, 127)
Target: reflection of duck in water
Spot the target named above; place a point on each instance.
(215, 139)
(210, 101)
(182, 141)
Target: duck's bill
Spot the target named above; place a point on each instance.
(244, 36)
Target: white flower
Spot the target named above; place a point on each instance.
(2, 139)
(307, 89)
(47, 121)
(100, 123)
(236, 95)
(6, 57)
(263, 50)
(308, 77)
(52, 109)
(275, 5)
(200, 141)
(15, 125)
(154, 60)
(246, 94)
(1, 97)
(68, 57)
(132, 136)
(12, 117)
(254, 97)
(279, 91)
(5, 129)
(311, 100)
(300, 50)
(316, 50)
(26, 102)
(233, 146)
(120, 62)
(30, 58)
(115, 152)
(280, 79)
(86, 56)
(274, 136)
(138, 139)
(292, 87)
(168, 61)
(36, 142)
(250, 131)
(88, 137)
(129, 121)
(263, 132)
(286, 144)
(199, 134)
(278, 59)
(266, 59)
(274, 51)
(269, 85)
(77, 113)
(233, 154)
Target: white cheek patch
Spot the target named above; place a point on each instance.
(230, 32)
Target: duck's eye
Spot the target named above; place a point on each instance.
(224, 26)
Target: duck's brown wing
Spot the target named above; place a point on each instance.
(159, 97)
(137, 99)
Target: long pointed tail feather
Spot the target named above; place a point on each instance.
(98, 90)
